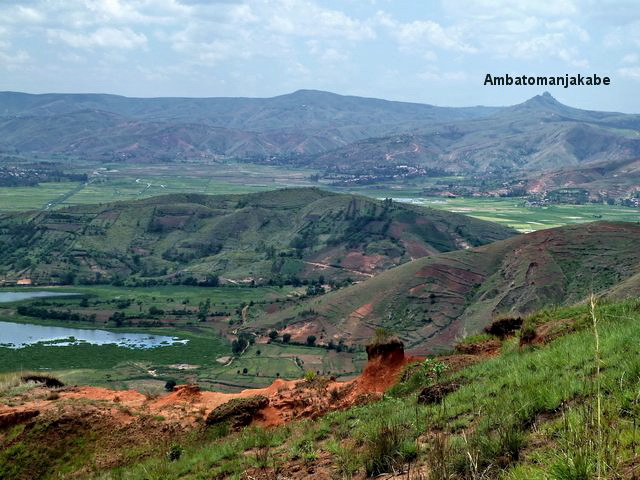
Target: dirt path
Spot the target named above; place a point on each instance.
(391, 156)
(324, 265)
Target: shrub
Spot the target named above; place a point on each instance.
(170, 385)
(174, 453)
(387, 448)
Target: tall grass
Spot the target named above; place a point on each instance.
(567, 410)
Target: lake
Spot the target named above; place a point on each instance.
(19, 335)
(6, 297)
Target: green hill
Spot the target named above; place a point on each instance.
(283, 236)
(433, 301)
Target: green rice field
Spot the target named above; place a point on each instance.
(515, 213)
(117, 183)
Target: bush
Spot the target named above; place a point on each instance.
(388, 448)
(174, 453)
(170, 385)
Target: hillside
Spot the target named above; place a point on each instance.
(333, 133)
(107, 127)
(556, 399)
(617, 177)
(537, 135)
(434, 301)
(281, 236)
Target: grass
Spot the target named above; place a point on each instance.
(199, 350)
(529, 414)
(122, 182)
(514, 213)
(119, 367)
(161, 295)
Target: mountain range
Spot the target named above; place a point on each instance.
(312, 128)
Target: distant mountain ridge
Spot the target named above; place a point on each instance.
(320, 129)
(306, 121)
(536, 135)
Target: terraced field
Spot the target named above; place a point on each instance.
(434, 301)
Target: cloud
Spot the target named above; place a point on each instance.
(421, 34)
(493, 9)
(307, 19)
(11, 61)
(548, 45)
(444, 77)
(10, 58)
(267, 29)
(122, 38)
(632, 73)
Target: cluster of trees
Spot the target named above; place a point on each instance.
(244, 340)
(311, 342)
(187, 255)
(21, 177)
(67, 315)
(209, 281)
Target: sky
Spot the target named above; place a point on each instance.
(426, 51)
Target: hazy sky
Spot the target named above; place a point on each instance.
(415, 50)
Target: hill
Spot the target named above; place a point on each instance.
(560, 407)
(113, 127)
(434, 301)
(537, 135)
(617, 177)
(279, 236)
(333, 133)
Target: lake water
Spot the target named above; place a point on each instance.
(19, 335)
(6, 297)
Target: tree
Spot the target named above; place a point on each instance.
(273, 334)
(170, 385)
(311, 340)
(286, 337)
(237, 346)
(211, 281)
(245, 371)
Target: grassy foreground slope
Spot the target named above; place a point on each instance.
(277, 236)
(433, 301)
(555, 409)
